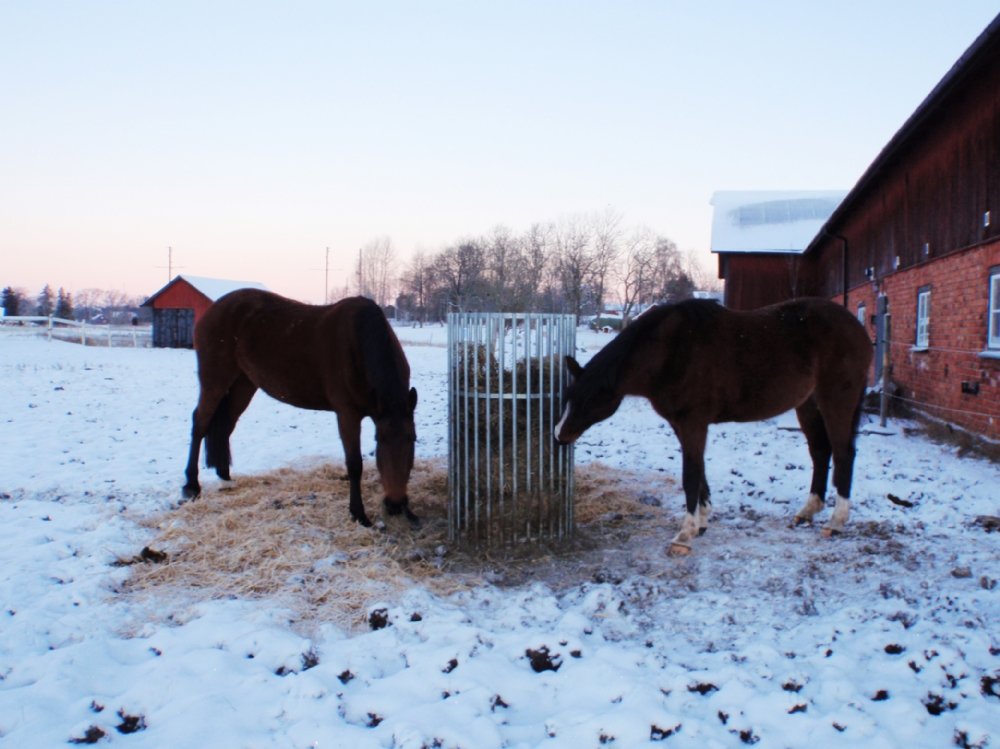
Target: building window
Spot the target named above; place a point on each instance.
(923, 316)
(994, 325)
(861, 314)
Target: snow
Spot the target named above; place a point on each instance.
(216, 288)
(764, 634)
(770, 220)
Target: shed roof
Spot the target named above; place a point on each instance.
(211, 288)
(770, 220)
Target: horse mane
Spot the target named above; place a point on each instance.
(695, 314)
(379, 348)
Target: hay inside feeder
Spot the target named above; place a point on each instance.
(510, 480)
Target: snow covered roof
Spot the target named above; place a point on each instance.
(770, 220)
(213, 288)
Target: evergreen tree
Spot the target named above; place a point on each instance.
(11, 302)
(45, 302)
(64, 307)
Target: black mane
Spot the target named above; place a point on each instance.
(378, 347)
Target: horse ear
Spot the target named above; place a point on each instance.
(413, 399)
(574, 368)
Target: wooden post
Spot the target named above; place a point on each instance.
(109, 335)
(883, 406)
(50, 329)
(134, 344)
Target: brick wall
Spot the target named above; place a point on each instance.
(959, 301)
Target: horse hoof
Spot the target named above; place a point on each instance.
(679, 550)
(799, 521)
(415, 523)
(829, 532)
(701, 531)
(190, 492)
(224, 475)
(362, 520)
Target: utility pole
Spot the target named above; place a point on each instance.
(361, 285)
(170, 264)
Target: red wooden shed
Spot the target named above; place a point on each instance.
(179, 305)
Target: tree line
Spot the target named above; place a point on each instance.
(86, 305)
(578, 265)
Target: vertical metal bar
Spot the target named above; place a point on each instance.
(452, 510)
(502, 406)
(489, 425)
(475, 421)
(515, 498)
(553, 484)
(528, 494)
(465, 419)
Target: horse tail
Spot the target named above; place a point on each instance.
(856, 419)
(378, 349)
(217, 453)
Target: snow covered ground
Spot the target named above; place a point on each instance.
(888, 636)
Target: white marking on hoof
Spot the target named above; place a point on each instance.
(680, 550)
(839, 517)
(686, 536)
(813, 505)
(562, 421)
(704, 511)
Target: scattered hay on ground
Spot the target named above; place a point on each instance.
(287, 536)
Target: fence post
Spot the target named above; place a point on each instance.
(83, 333)
(109, 335)
(134, 344)
(50, 329)
(886, 339)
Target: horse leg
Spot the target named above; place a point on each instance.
(841, 426)
(208, 403)
(223, 423)
(350, 435)
(704, 507)
(814, 429)
(692, 439)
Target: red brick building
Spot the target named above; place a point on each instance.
(914, 247)
(179, 305)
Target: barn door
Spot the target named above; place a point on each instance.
(173, 328)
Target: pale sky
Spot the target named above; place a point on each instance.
(251, 136)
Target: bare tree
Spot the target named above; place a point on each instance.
(703, 278)
(376, 265)
(574, 260)
(458, 274)
(416, 281)
(606, 228)
(635, 270)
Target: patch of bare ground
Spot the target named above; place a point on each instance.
(286, 536)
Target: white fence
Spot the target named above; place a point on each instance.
(88, 334)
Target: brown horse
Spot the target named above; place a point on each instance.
(343, 358)
(699, 363)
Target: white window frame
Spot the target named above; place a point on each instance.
(923, 318)
(993, 334)
(862, 317)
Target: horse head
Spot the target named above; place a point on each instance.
(395, 436)
(591, 397)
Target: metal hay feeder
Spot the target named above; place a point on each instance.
(508, 481)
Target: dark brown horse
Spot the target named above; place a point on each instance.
(699, 363)
(343, 358)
